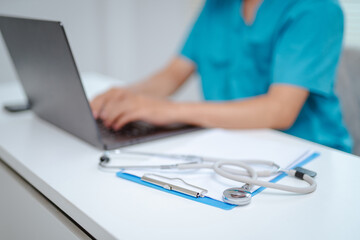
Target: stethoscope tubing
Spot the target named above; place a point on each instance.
(251, 176)
(221, 167)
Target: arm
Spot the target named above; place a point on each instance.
(167, 81)
(277, 109)
(160, 85)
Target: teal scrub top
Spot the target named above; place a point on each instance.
(292, 42)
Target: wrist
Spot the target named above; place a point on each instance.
(182, 113)
(172, 111)
(134, 88)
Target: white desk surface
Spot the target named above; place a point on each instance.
(64, 169)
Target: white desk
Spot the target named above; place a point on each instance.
(64, 169)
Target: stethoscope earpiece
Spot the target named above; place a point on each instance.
(104, 159)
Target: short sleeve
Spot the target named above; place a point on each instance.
(308, 48)
(190, 49)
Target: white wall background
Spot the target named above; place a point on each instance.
(352, 20)
(126, 39)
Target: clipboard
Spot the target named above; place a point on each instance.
(208, 200)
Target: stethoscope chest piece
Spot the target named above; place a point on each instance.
(237, 196)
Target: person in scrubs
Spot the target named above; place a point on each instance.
(262, 63)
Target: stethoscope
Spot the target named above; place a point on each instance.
(226, 168)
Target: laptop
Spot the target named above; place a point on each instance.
(47, 71)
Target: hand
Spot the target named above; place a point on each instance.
(119, 106)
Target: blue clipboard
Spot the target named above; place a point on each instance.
(208, 200)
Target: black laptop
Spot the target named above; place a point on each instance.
(46, 68)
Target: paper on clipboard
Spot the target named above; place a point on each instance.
(226, 144)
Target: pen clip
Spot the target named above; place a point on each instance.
(157, 180)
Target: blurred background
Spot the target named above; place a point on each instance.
(127, 39)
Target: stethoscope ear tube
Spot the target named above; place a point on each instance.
(218, 168)
(310, 180)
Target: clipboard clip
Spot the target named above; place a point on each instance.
(179, 186)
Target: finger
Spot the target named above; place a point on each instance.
(113, 112)
(99, 102)
(109, 109)
(96, 105)
(124, 119)
(113, 102)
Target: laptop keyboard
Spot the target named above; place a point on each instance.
(133, 129)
